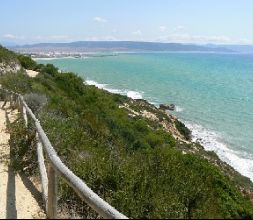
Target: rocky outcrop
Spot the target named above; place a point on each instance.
(8, 61)
(158, 118)
(13, 67)
(142, 108)
(170, 107)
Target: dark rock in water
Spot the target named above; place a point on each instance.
(163, 107)
(170, 107)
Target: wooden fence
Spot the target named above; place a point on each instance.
(56, 168)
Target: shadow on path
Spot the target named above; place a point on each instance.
(11, 202)
(33, 190)
(11, 210)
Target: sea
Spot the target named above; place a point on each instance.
(213, 93)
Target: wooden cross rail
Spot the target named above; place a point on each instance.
(57, 168)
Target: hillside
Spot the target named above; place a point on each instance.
(8, 61)
(119, 46)
(135, 156)
(248, 49)
(11, 62)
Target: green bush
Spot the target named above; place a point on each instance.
(49, 69)
(17, 82)
(35, 101)
(7, 55)
(23, 148)
(183, 130)
(27, 62)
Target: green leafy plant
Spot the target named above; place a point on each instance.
(23, 147)
(27, 62)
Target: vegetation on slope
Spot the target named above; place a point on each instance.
(17, 63)
(6, 55)
(132, 163)
(26, 62)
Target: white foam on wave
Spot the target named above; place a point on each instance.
(179, 109)
(38, 59)
(130, 94)
(85, 58)
(94, 83)
(134, 95)
(51, 58)
(211, 141)
(116, 91)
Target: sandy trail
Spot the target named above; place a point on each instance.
(19, 199)
(32, 73)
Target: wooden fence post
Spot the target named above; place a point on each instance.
(10, 99)
(20, 105)
(52, 193)
(43, 171)
(55, 167)
(25, 116)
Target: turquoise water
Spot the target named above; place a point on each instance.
(213, 93)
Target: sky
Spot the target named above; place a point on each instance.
(180, 21)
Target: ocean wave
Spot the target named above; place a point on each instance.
(179, 109)
(211, 141)
(116, 91)
(134, 95)
(94, 83)
(52, 58)
(128, 93)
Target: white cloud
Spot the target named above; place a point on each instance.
(114, 30)
(59, 37)
(163, 28)
(103, 38)
(110, 38)
(180, 28)
(100, 20)
(187, 38)
(137, 33)
(52, 37)
(13, 37)
(245, 41)
(9, 36)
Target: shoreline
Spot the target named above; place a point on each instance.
(223, 152)
(210, 144)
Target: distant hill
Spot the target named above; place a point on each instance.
(235, 48)
(123, 46)
(240, 48)
(8, 44)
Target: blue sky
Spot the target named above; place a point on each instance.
(188, 21)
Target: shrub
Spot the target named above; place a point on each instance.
(183, 130)
(27, 62)
(7, 55)
(35, 101)
(49, 69)
(17, 82)
(23, 149)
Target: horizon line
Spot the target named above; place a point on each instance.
(129, 41)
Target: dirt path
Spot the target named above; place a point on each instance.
(18, 197)
(32, 73)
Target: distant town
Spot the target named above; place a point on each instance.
(112, 48)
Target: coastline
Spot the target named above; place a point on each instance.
(208, 138)
(205, 138)
(125, 132)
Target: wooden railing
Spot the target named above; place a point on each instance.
(57, 168)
